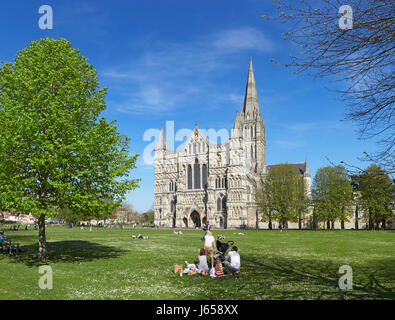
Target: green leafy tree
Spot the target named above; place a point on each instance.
(376, 195)
(332, 195)
(283, 196)
(148, 217)
(55, 150)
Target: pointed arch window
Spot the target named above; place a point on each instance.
(223, 203)
(204, 176)
(219, 204)
(196, 174)
(189, 176)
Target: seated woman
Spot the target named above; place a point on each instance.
(201, 265)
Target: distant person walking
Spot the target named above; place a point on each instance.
(209, 246)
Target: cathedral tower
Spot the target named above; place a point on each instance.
(249, 127)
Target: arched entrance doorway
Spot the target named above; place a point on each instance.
(195, 217)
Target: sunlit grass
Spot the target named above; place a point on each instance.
(108, 264)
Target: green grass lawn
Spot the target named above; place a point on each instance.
(108, 264)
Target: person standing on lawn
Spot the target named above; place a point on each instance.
(209, 246)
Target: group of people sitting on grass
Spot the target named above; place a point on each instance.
(3, 237)
(7, 246)
(219, 260)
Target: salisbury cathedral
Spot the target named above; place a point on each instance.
(210, 183)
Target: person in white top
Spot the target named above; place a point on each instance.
(209, 246)
(232, 261)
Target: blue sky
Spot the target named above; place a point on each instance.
(187, 61)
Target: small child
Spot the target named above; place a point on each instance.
(219, 270)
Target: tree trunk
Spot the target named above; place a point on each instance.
(383, 224)
(300, 224)
(314, 222)
(342, 224)
(270, 225)
(371, 222)
(42, 245)
(328, 225)
(333, 225)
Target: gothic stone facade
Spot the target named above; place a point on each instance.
(214, 183)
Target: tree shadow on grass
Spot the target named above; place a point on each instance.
(284, 278)
(320, 279)
(72, 251)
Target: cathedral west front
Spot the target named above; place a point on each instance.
(205, 182)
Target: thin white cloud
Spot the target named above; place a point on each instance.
(236, 99)
(312, 126)
(168, 75)
(246, 38)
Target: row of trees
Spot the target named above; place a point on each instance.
(285, 197)
(126, 214)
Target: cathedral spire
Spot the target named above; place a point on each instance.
(306, 172)
(236, 124)
(236, 127)
(250, 107)
(161, 141)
